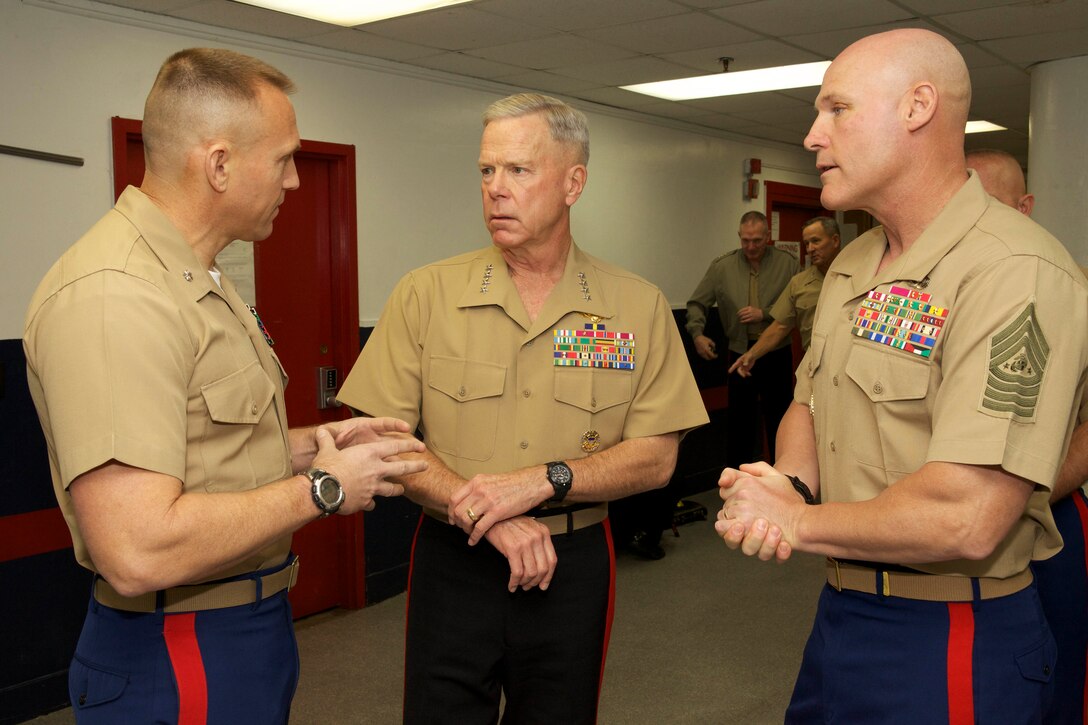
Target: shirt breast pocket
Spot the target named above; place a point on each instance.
(461, 406)
(595, 399)
(236, 404)
(897, 429)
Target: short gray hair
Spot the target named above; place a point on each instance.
(831, 227)
(568, 125)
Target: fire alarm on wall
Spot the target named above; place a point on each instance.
(752, 166)
(751, 189)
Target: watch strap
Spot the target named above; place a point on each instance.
(802, 488)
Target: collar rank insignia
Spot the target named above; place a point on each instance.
(261, 327)
(584, 285)
(486, 280)
(594, 347)
(901, 318)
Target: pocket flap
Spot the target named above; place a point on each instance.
(466, 379)
(241, 397)
(590, 389)
(889, 374)
(1038, 663)
(92, 686)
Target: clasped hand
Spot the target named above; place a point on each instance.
(491, 506)
(760, 511)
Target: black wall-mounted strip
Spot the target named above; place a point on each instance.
(41, 155)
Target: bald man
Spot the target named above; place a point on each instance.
(1002, 178)
(1062, 579)
(162, 403)
(931, 413)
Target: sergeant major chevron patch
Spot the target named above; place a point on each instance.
(1018, 356)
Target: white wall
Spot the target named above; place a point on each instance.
(662, 199)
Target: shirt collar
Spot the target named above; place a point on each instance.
(954, 221)
(578, 290)
(166, 242)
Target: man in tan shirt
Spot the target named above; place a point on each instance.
(796, 306)
(546, 382)
(162, 405)
(931, 415)
(744, 283)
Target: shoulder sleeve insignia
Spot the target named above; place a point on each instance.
(1018, 356)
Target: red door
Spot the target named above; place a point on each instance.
(305, 279)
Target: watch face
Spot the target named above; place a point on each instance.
(559, 474)
(328, 490)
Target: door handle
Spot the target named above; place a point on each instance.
(328, 380)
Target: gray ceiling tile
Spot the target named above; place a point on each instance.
(750, 102)
(833, 42)
(580, 14)
(548, 82)
(1015, 20)
(1037, 48)
(555, 51)
(746, 56)
(616, 97)
(359, 41)
(641, 69)
(459, 27)
(467, 65)
(794, 17)
(672, 34)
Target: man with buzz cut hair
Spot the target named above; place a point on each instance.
(162, 405)
(546, 382)
(932, 412)
(744, 284)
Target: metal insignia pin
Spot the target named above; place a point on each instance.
(187, 275)
(591, 441)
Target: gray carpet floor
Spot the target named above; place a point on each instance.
(704, 636)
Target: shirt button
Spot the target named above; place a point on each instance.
(529, 344)
(878, 388)
(593, 403)
(526, 393)
(524, 444)
(835, 381)
(253, 409)
(832, 446)
(461, 392)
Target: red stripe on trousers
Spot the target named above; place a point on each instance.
(961, 638)
(179, 630)
(1082, 511)
(611, 600)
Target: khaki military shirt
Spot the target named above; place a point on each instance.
(135, 355)
(796, 306)
(455, 353)
(726, 284)
(970, 348)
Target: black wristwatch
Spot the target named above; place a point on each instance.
(326, 490)
(802, 488)
(560, 477)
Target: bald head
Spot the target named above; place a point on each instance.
(1002, 178)
(890, 116)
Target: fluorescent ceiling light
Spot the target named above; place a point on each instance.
(351, 12)
(736, 82)
(982, 127)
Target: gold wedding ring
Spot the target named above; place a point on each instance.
(472, 514)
